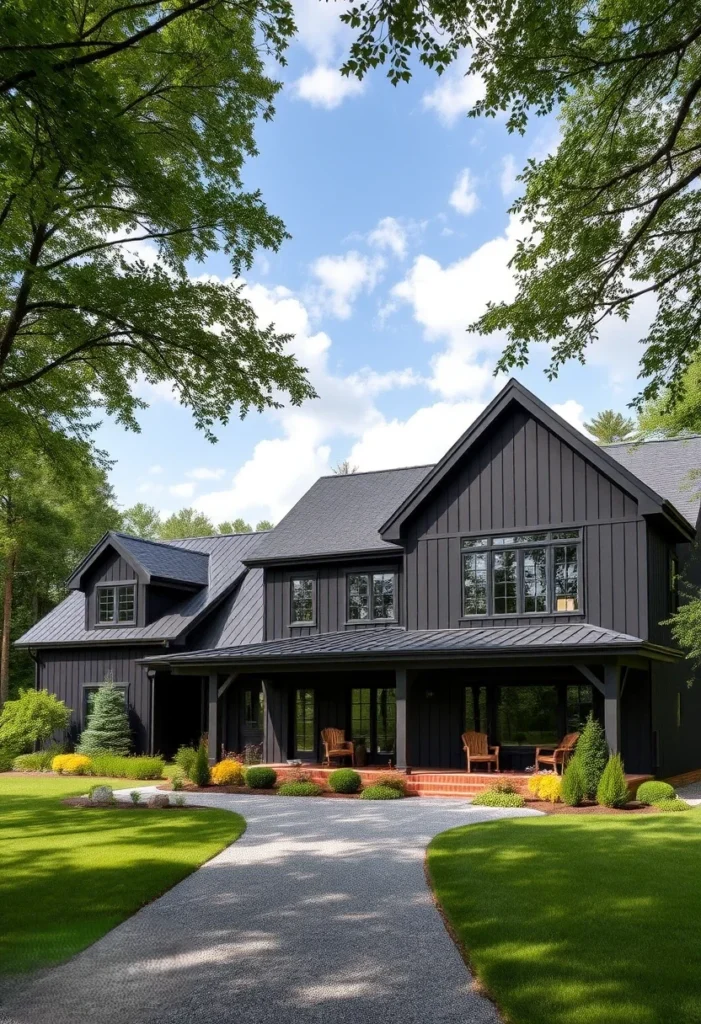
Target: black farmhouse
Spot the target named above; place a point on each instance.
(509, 589)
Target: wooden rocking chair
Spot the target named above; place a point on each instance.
(477, 749)
(558, 755)
(336, 745)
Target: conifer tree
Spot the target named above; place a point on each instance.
(108, 724)
(592, 755)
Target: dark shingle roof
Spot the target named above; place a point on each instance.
(394, 642)
(667, 466)
(239, 619)
(341, 514)
(66, 623)
(168, 561)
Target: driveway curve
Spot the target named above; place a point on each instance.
(319, 913)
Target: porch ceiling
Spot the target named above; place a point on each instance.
(395, 643)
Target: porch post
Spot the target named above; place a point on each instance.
(401, 702)
(612, 707)
(213, 718)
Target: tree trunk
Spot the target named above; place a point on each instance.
(10, 566)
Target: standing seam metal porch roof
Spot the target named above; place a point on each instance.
(398, 641)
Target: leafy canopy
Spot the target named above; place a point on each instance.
(145, 521)
(127, 123)
(614, 214)
(31, 718)
(609, 426)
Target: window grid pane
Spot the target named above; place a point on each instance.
(125, 603)
(504, 582)
(535, 587)
(566, 578)
(303, 600)
(528, 715)
(304, 721)
(360, 715)
(105, 612)
(386, 720)
(358, 597)
(474, 574)
(383, 595)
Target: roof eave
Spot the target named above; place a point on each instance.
(389, 550)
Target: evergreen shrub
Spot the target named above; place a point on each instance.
(613, 788)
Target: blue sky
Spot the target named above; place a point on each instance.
(398, 208)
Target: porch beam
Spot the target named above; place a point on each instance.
(612, 707)
(213, 726)
(591, 677)
(226, 684)
(401, 705)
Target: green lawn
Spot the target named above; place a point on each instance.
(579, 920)
(68, 875)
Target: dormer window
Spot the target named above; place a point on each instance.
(116, 605)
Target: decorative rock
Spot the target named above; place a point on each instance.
(101, 795)
(158, 800)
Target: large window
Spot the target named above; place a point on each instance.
(371, 596)
(304, 721)
(386, 720)
(527, 716)
(303, 599)
(522, 574)
(116, 604)
(361, 715)
(476, 709)
(579, 704)
(374, 718)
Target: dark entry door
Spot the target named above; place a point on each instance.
(251, 715)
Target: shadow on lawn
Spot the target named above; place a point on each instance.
(585, 921)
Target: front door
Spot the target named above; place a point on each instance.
(251, 715)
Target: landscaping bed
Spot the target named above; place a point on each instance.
(589, 807)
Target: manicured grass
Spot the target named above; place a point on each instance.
(578, 920)
(68, 875)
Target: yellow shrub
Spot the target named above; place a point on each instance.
(71, 764)
(227, 773)
(545, 787)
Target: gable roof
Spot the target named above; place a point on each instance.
(153, 560)
(66, 623)
(513, 392)
(340, 514)
(667, 466)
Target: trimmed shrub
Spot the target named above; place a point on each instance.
(30, 719)
(613, 788)
(572, 784)
(344, 780)
(652, 792)
(71, 764)
(227, 773)
(379, 792)
(392, 780)
(108, 729)
(260, 777)
(300, 789)
(545, 787)
(671, 804)
(593, 754)
(201, 772)
(101, 795)
(498, 798)
(185, 760)
(158, 800)
(127, 767)
(38, 762)
(176, 782)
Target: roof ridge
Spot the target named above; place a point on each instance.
(156, 543)
(368, 472)
(650, 440)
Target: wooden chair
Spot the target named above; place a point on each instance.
(477, 749)
(336, 745)
(560, 754)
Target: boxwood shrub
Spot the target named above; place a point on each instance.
(652, 792)
(392, 780)
(344, 780)
(496, 798)
(299, 789)
(379, 792)
(260, 777)
(671, 804)
(37, 762)
(124, 767)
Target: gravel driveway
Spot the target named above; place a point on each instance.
(319, 913)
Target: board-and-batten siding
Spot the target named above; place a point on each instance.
(331, 615)
(65, 671)
(112, 568)
(523, 477)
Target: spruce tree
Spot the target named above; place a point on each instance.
(201, 774)
(592, 754)
(108, 725)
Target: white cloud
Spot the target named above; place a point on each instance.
(463, 198)
(320, 29)
(155, 470)
(204, 473)
(341, 279)
(184, 490)
(507, 180)
(326, 87)
(455, 94)
(389, 234)
(573, 412)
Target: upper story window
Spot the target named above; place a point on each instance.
(116, 604)
(303, 591)
(522, 574)
(371, 596)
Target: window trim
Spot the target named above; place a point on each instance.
(303, 576)
(115, 622)
(370, 573)
(98, 686)
(549, 543)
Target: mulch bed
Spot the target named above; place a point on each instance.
(243, 790)
(589, 808)
(122, 805)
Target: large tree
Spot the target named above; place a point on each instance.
(614, 213)
(609, 426)
(123, 124)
